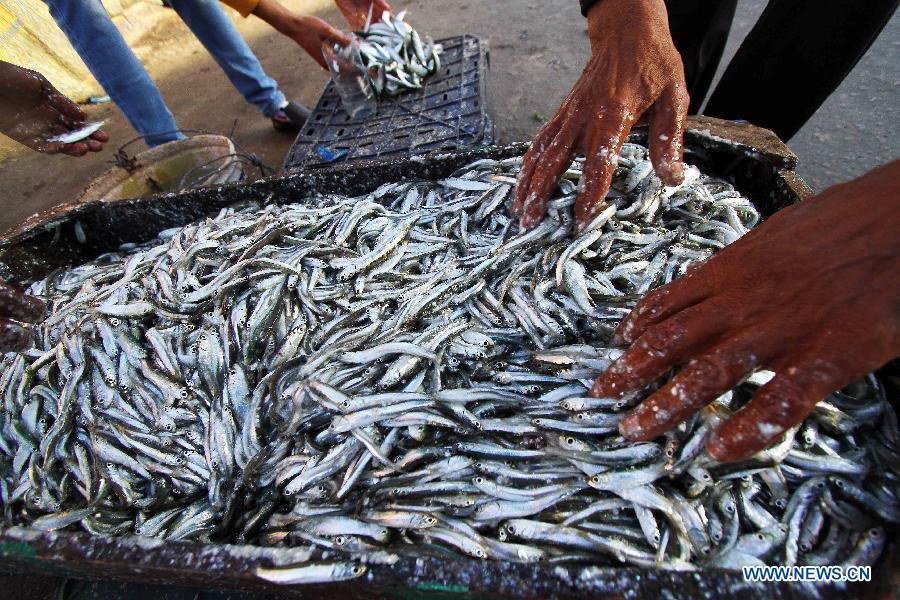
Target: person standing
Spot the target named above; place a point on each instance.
(103, 49)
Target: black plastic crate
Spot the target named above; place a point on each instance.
(449, 113)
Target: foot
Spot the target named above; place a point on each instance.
(291, 117)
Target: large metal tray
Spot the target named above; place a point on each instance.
(753, 159)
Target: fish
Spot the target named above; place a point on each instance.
(407, 368)
(394, 56)
(79, 134)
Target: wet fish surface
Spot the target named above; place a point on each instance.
(78, 134)
(408, 371)
(394, 55)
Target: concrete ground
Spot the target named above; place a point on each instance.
(538, 49)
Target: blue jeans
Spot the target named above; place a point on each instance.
(104, 51)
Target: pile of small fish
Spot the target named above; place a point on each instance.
(407, 371)
(394, 55)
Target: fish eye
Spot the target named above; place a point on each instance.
(717, 536)
(580, 416)
(114, 322)
(511, 528)
(595, 479)
(109, 465)
(875, 533)
(760, 537)
(570, 441)
(167, 442)
(183, 393)
(357, 569)
(480, 553)
(479, 480)
(339, 540)
(138, 530)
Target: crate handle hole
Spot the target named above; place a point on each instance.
(340, 132)
(445, 95)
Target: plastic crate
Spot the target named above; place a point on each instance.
(448, 113)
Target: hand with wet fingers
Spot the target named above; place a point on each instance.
(812, 294)
(32, 112)
(17, 311)
(634, 72)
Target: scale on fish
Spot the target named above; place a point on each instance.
(79, 134)
(364, 375)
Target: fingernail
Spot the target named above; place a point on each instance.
(672, 173)
(617, 339)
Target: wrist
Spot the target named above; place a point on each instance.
(607, 15)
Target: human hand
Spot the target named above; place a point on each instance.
(17, 308)
(357, 11)
(634, 70)
(812, 294)
(32, 110)
(313, 33)
(309, 32)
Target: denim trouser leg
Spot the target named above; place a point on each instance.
(104, 51)
(214, 29)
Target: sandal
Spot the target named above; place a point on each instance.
(291, 117)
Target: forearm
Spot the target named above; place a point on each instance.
(245, 7)
(279, 17)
